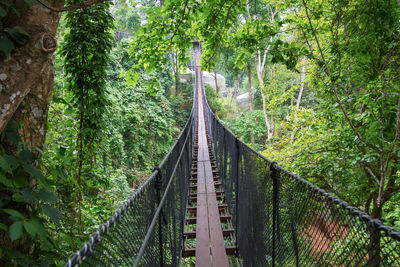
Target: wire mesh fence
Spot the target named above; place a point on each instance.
(282, 220)
(279, 218)
(148, 229)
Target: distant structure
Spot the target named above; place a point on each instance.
(243, 101)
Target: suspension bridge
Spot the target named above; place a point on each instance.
(214, 201)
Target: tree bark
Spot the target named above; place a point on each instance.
(216, 81)
(26, 83)
(250, 91)
(299, 97)
(260, 70)
(27, 77)
(175, 68)
(303, 77)
(374, 245)
(250, 107)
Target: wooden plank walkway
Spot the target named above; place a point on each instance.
(210, 247)
(205, 211)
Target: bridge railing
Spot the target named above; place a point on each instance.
(147, 230)
(282, 220)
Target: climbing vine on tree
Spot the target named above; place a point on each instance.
(85, 50)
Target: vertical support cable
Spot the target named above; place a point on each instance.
(237, 189)
(293, 227)
(275, 175)
(157, 186)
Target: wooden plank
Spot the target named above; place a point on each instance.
(218, 253)
(203, 252)
(217, 240)
(190, 252)
(225, 232)
(210, 248)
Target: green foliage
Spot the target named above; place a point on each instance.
(15, 36)
(125, 139)
(25, 194)
(85, 48)
(214, 102)
(175, 25)
(247, 124)
(344, 140)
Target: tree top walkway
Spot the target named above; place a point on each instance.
(214, 201)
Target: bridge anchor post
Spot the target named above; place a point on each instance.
(275, 175)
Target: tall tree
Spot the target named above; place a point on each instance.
(27, 44)
(86, 48)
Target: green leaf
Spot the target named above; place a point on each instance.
(4, 199)
(5, 44)
(4, 165)
(12, 6)
(47, 196)
(34, 172)
(45, 245)
(69, 111)
(12, 126)
(34, 226)
(17, 197)
(53, 213)
(19, 181)
(18, 35)
(14, 213)
(28, 195)
(3, 226)
(13, 138)
(3, 12)
(12, 161)
(29, 2)
(4, 180)
(16, 230)
(30, 228)
(39, 150)
(35, 222)
(26, 156)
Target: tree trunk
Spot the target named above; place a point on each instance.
(216, 81)
(260, 70)
(374, 245)
(303, 77)
(250, 107)
(26, 81)
(269, 128)
(302, 82)
(27, 77)
(176, 71)
(236, 87)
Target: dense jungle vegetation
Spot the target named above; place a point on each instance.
(91, 100)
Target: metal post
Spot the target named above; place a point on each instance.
(275, 175)
(157, 185)
(238, 161)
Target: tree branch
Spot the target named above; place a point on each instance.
(179, 24)
(334, 87)
(71, 7)
(371, 173)
(396, 137)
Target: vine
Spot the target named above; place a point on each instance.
(85, 50)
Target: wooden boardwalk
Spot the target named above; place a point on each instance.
(210, 247)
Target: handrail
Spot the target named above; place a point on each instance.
(157, 213)
(96, 237)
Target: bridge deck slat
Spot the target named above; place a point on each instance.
(210, 247)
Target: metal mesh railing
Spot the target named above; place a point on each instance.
(282, 220)
(279, 218)
(148, 229)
